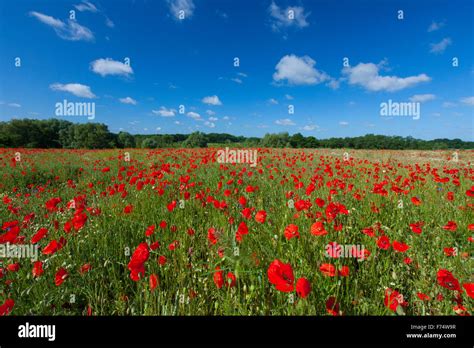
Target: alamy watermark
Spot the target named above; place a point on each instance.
(66, 108)
(336, 251)
(391, 108)
(19, 251)
(237, 156)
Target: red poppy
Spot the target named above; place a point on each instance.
(449, 251)
(37, 269)
(153, 281)
(393, 299)
(400, 247)
(85, 268)
(383, 243)
(416, 227)
(261, 216)
(344, 271)
(13, 267)
(303, 287)
(291, 231)
(212, 235)
(328, 269)
(416, 201)
(447, 280)
(231, 280)
(7, 307)
(281, 275)
(137, 262)
(450, 226)
(241, 231)
(60, 276)
(218, 277)
(423, 296)
(150, 230)
(51, 248)
(128, 209)
(469, 287)
(39, 235)
(332, 307)
(162, 260)
(317, 229)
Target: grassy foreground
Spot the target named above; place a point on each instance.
(174, 232)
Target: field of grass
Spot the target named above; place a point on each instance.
(174, 232)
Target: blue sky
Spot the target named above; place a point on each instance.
(282, 61)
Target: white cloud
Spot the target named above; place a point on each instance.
(273, 101)
(86, 6)
(177, 122)
(213, 119)
(285, 122)
(74, 88)
(334, 83)
(212, 100)
(435, 26)
(422, 98)
(242, 74)
(236, 80)
(164, 112)
(468, 100)
(210, 112)
(310, 127)
(71, 30)
(128, 100)
(367, 75)
(298, 71)
(441, 46)
(181, 5)
(289, 97)
(14, 105)
(291, 16)
(343, 123)
(194, 115)
(209, 124)
(109, 23)
(108, 66)
(226, 118)
(448, 104)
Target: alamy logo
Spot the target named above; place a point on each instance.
(392, 108)
(237, 156)
(20, 251)
(37, 331)
(75, 109)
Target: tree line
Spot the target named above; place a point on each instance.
(54, 133)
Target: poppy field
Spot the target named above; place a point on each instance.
(174, 232)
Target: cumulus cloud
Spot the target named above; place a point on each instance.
(298, 71)
(86, 6)
(343, 123)
(310, 127)
(181, 5)
(421, 98)
(292, 16)
(212, 100)
(128, 100)
(440, 47)
(285, 122)
(367, 75)
(70, 30)
(213, 119)
(209, 124)
(194, 116)
(74, 88)
(108, 66)
(468, 100)
(164, 112)
(435, 26)
(210, 112)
